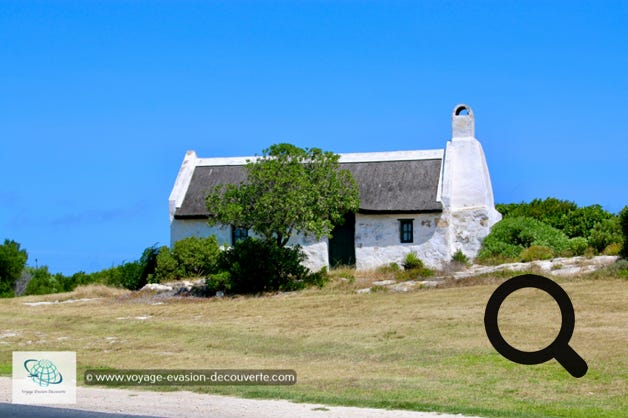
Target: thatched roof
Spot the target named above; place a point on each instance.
(407, 186)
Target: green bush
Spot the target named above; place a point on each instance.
(321, 278)
(551, 211)
(131, 275)
(578, 245)
(42, 282)
(460, 257)
(189, 257)
(256, 266)
(413, 268)
(580, 222)
(536, 252)
(623, 222)
(605, 233)
(12, 262)
(564, 215)
(167, 266)
(196, 256)
(412, 262)
(218, 282)
(612, 249)
(510, 236)
(125, 275)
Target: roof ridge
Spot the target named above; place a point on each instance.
(354, 157)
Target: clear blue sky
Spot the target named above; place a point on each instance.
(99, 101)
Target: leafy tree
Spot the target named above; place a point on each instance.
(12, 262)
(623, 220)
(289, 190)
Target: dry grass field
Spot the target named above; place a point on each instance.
(424, 350)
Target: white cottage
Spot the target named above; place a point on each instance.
(431, 202)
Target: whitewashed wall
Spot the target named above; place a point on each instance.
(378, 243)
(316, 251)
(183, 228)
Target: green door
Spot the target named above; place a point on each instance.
(342, 243)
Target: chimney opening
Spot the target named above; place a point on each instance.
(462, 111)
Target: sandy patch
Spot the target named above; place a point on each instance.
(188, 404)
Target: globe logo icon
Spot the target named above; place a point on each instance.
(43, 372)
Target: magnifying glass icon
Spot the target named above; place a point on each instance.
(559, 348)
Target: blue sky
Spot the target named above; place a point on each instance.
(99, 101)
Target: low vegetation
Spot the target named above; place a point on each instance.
(255, 266)
(544, 229)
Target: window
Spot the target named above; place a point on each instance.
(238, 234)
(406, 230)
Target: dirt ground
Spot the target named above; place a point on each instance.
(188, 404)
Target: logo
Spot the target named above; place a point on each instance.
(44, 377)
(43, 372)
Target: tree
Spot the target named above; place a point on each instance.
(12, 262)
(288, 190)
(623, 220)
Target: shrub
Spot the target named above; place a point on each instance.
(132, 275)
(218, 282)
(578, 245)
(125, 275)
(605, 233)
(623, 222)
(509, 237)
(167, 266)
(612, 249)
(536, 252)
(564, 215)
(196, 256)
(189, 257)
(413, 268)
(412, 262)
(256, 266)
(460, 257)
(321, 278)
(581, 221)
(42, 282)
(551, 211)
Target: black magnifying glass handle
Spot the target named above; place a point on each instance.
(571, 361)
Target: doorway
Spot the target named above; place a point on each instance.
(342, 243)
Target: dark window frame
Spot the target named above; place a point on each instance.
(406, 231)
(238, 234)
